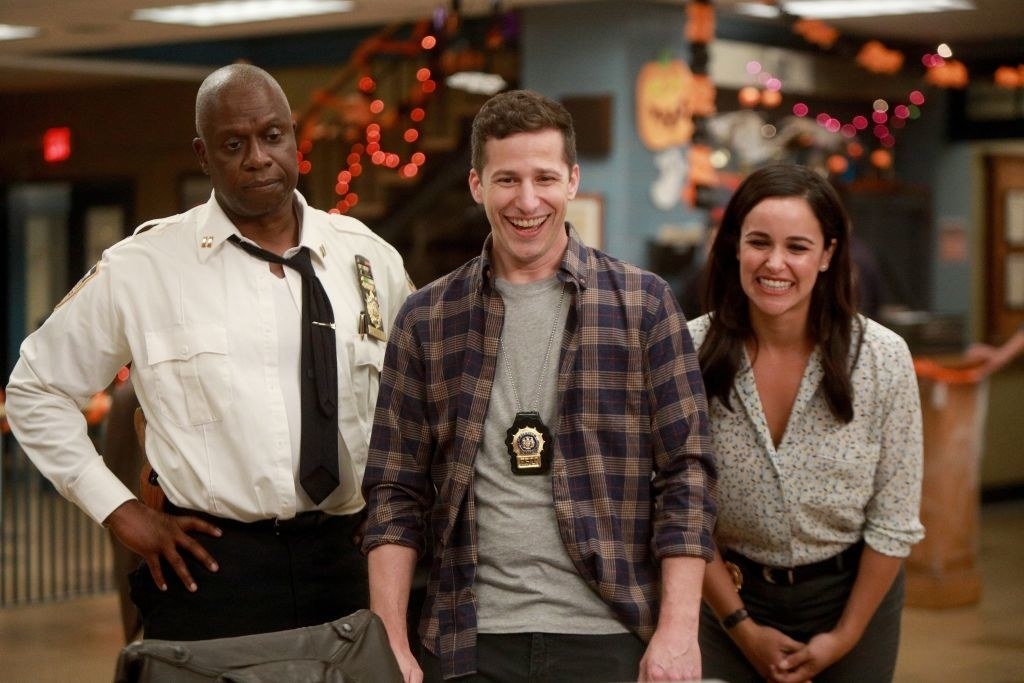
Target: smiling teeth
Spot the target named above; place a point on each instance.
(526, 223)
(774, 284)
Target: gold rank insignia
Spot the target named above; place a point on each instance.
(93, 272)
(370, 320)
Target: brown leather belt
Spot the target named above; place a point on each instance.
(790, 576)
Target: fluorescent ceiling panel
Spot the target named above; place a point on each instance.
(239, 11)
(842, 9)
(10, 32)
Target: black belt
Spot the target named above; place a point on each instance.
(790, 576)
(304, 521)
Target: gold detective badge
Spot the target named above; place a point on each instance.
(370, 320)
(529, 444)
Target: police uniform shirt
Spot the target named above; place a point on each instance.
(197, 318)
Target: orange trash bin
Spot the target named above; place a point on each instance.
(942, 569)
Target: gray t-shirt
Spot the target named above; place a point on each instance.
(525, 580)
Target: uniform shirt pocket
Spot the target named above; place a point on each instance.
(191, 371)
(366, 356)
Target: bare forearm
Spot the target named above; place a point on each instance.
(673, 653)
(874, 579)
(391, 570)
(719, 590)
(681, 579)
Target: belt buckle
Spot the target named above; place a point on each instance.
(735, 574)
(768, 576)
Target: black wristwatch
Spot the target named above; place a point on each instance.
(735, 618)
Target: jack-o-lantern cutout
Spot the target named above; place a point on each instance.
(663, 109)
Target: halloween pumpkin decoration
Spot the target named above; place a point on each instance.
(1009, 77)
(817, 32)
(949, 73)
(877, 58)
(702, 171)
(700, 22)
(663, 104)
(702, 102)
(881, 159)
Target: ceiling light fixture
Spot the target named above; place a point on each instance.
(843, 9)
(759, 10)
(477, 82)
(240, 11)
(10, 32)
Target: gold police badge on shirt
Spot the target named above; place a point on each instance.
(529, 444)
(370, 320)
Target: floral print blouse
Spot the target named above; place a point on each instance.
(828, 484)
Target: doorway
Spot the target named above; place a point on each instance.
(51, 233)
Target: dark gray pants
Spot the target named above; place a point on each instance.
(800, 612)
(548, 658)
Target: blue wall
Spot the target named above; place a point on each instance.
(924, 157)
(598, 48)
(953, 198)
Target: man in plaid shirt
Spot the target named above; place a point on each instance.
(542, 432)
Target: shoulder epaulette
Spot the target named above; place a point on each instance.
(148, 225)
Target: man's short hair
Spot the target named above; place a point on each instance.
(520, 111)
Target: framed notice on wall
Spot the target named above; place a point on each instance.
(1014, 217)
(586, 213)
(1014, 294)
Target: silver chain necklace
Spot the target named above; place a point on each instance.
(529, 440)
(544, 365)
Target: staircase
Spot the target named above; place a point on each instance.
(429, 216)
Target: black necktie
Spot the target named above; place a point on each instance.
(318, 449)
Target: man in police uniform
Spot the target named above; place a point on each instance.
(215, 335)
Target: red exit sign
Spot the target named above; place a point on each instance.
(56, 145)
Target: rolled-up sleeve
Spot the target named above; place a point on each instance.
(396, 482)
(684, 472)
(892, 523)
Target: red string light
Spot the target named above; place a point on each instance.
(370, 139)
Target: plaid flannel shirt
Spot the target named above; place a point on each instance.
(632, 474)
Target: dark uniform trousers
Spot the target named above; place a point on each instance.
(273, 576)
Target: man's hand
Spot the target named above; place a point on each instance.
(670, 659)
(154, 535)
(673, 653)
(407, 664)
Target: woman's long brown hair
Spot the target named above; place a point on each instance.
(832, 310)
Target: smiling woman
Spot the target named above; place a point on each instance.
(820, 464)
(782, 251)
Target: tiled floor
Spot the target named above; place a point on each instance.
(78, 641)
